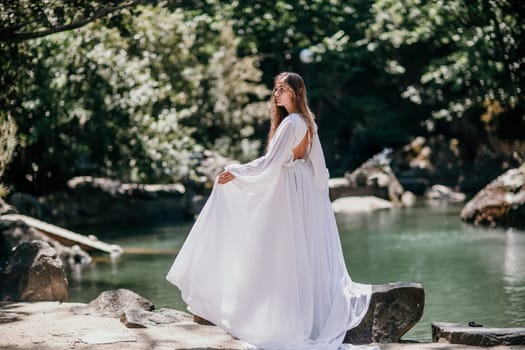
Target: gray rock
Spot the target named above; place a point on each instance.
(12, 233)
(34, 272)
(376, 175)
(478, 336)
(181, 316)
(338, 182)
(500, 203)
(353, 205)
(441, 192)
(394, 309)
(114, 303)
(408, 199)
(139, 318)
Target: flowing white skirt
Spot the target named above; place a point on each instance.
(267, 265)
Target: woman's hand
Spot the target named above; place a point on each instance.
(225, 177)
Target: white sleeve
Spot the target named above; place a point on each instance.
(316, 158)
(280, 151)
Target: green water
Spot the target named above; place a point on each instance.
(468, 273)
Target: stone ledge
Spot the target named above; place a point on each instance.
(51, 325)
(454, 333)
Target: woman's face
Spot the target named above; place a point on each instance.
(284, 96)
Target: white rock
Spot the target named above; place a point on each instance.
(353, 205)
(408, 199)
(338, 182)
(440, 192)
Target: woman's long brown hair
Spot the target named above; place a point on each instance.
(277, 113)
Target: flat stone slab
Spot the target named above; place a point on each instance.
(107, 337)
(455, 333)
(51, 325)
(139, 318)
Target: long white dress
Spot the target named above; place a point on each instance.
(264, 261)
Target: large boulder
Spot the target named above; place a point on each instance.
(114, 303)
(14, 232)
(376, 178)
(394, 309)
(500, 203)
(34, 272)
(477, 336)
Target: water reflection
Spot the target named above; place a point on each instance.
(514, 277)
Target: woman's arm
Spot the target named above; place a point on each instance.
(261, 168)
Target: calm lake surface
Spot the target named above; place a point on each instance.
(468, 273)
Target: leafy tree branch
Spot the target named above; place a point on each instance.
(43, 25)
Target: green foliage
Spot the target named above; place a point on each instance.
(24, 20)
(137, 94)
(346, 82)
(470, 52)
(135, 101)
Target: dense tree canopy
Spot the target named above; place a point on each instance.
(134, 100)
(137, 90)
(470, 57)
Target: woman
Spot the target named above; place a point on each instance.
(263, 261)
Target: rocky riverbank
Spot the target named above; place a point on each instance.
(500, 203)
(52, 325)
(426, 168)
(91, 201)
(34, 272)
